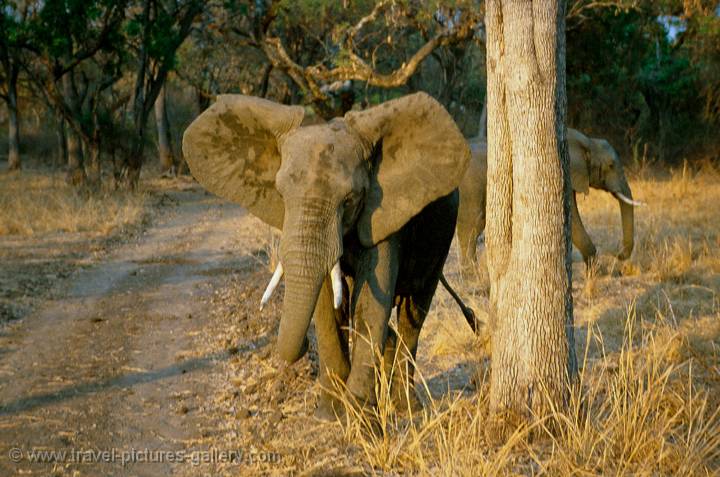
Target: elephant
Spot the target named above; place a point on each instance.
(367, 204)
(593, 163)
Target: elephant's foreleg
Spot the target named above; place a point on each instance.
(401, 352)
(470, 224)
(580, 237)
(332, 348)
(373, 293)
(467, 242)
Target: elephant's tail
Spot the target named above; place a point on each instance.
(466, 310)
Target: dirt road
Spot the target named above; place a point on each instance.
(112, 366)
(154, 360)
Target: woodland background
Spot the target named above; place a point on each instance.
(83, 77)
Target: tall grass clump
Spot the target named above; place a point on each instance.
(642, 410)
(36, 203)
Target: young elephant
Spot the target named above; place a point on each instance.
(367, 207)
(593, 163)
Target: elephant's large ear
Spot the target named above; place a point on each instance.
(232, 150)
(579, 148)
(424, 156)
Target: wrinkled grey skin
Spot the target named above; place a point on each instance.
(593, 163)
(375, 190)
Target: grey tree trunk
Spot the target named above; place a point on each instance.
(528, 221)
(76, 167)
(62, 151)
(167, 160)
(13, 126)
(93, 166)
(75, 171)
(93, 149)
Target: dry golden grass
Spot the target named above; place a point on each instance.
(37, 203)
(648, 341)
(642, 410)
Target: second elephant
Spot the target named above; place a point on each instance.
(593, 163)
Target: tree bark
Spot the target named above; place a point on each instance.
(167, 160)
(76, 167)
(202, 101)
(528, 222)
(13, 124)
(93, 150)
(62, 151)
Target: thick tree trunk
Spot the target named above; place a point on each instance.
(93, 166)
(202, 101)
(135, 159)
(92, 146)
(13, 126)
(62, 150)
(75, 170)
(528, 228)
(76, 167)
(167, 160)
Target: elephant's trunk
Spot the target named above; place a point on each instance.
(628, 223)
(309, 249)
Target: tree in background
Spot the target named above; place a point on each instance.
(528, 222)
(320, 45)
(80, 56)
(642, 73)
(154, 32)
(700, 37)
(167, 158)
(644, 76)
(14, 44)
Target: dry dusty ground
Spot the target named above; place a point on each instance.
(155, 342)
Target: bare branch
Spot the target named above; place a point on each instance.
(380, 6)
(579, 9)
(311, 77)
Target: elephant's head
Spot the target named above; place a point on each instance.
(368, 173)
(594, 163)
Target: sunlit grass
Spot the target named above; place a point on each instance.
(33, 203)
(648, 338)
(644, 409)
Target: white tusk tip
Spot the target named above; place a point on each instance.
(337, 285)
(272, 285)
(629, 201)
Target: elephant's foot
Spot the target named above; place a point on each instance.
(329, 408)
(590, 261)
(407, 402)
(624, 254)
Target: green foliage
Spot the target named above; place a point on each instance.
(630, 81)
(627, 79)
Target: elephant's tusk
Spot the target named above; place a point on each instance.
(628, 200)
(337, 285)
(272, 285)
